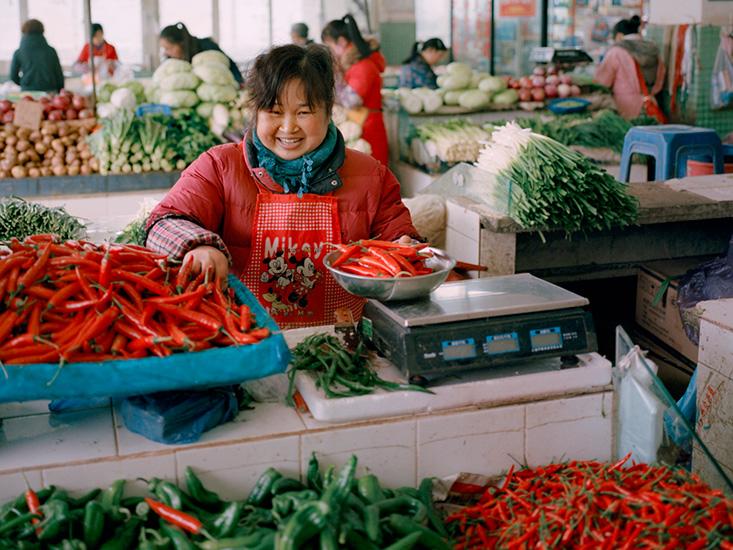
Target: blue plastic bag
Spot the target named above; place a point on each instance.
(179, 416)
(673, 425)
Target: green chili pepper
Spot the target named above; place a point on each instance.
(198, 492)
(406, 526)
(225, 523)
(267, 542)
(355, 541)
(426, 496)
(313, 477)
(371, 523)
(167, 492)
(305, 523)
(142, 510)
(369, 488)
(111, 499)
(285, 485)
(403, 504)
(178, 538)
(131, 502)
(406, 542)
(328, 475)
(263, 487)
(69, 544)
(124, 536)
(328, 539)
(408, 492)
(93, 523)
(283, 505)
(11, 524)
(156, 542)
(55, 515)
(337, 492)
(237, 543)
(81, 501)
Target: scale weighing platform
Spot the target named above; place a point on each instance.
(480, 324)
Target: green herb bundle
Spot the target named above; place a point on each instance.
(20, 219)
(553, 186)
(338, 371)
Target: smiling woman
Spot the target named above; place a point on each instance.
(269, 209)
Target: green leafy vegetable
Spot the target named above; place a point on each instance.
(20, 219)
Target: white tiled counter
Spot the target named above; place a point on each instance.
(90, 448)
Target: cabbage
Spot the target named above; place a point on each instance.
(458, 81)
(105, 110)
(474, 99)
(137, 88)
(104, 92)
(217, 94)
(204, 110)
(411, 103)
(431, 101)
(123, 98)
(210, 57)
(457, 68)
(451, 97)
(171, 66)
(477, 77)
(350, 130)
(179, 98)
(492, 84)
(506, 98)
(215, 74)
(179, 81)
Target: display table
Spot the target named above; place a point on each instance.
(536, 421)
(81, 185)
(677, 219)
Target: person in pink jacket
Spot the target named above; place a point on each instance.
(269, 208)
(625, 61)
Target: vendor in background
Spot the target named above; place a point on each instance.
(104, 52)
(417, 70)
(35, 64)
(299, 34)
(177, 43)
(361, 65)
(634, 71)
(266, 208)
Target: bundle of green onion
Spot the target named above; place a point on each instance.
(20, 219)
(552, 186)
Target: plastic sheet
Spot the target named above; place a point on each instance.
(203, 369)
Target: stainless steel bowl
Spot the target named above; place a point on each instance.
(394, 288)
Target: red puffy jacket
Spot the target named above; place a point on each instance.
(365, 78)
(218, 192)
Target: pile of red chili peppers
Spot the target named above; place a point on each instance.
(382, 259)
(76, 301)
(600, 506)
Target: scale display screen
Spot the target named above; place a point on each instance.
(454, 350)
(545, 339)
(502, 343)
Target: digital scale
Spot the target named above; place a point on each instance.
(564, 57)
(480, 324)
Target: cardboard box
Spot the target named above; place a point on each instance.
(663, 318)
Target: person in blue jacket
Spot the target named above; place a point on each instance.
(35, 65)
(417, 70)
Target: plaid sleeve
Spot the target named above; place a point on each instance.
(176, 236)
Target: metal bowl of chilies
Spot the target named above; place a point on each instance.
(394, 288)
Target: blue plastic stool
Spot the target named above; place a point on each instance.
(670, 145)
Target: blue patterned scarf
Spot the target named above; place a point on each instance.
(295, 175)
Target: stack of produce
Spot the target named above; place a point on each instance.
(175, 84)
(326, 510)
(112, 97)
(188, 134)
(461, 86)
(338, 371)
(218, 89)
(544, 84)
(64, 106)
(20, 219)
(552, 186)
(350, 129)
(383, 259)
(451, 141)
(74, 301)
(126, 144)
(56, 149)
(589, 505)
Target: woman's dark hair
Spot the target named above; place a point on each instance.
(627, 26)
(635, 24)
(417, 47)
(178, 34)
(32, 26)
(347, 28)
(96, 27)
(271, 72)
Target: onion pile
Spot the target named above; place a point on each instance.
(56, 149)
(64, 106)
(544, 84)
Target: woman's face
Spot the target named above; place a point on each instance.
(98, 38)
(290, 129)
(338, 47)
(174, 51)
(433, 56)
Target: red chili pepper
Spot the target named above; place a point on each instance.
(245, 318)
(180, 519)
(13, 281)
(34, 507)
(183, 274)
(34, 273)
(152, 286)
(64, 294)
(364, 271)
(390, 264)
(404, 264)
(347, 253)
(118, 344)
(196, 317)
(7, 321)
(179, 298)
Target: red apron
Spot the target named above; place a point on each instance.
(649, 107)
(285, 270)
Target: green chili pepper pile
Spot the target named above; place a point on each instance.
(21, 219)
(338, 371)
(329, 510)
(591, 505)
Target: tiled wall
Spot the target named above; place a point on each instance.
(91, 448)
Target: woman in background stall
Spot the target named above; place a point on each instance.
(417, 70)
(634, 71)
(177, 43)
(103, 51)
(35, 65)
(361, 66)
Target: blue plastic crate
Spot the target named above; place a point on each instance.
(122, 378)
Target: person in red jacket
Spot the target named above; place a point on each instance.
(269, 208)
(103, 51)
(362, 65)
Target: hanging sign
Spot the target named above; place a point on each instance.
(517, 8)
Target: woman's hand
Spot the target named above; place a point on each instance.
(405, 239)
(205, 258)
